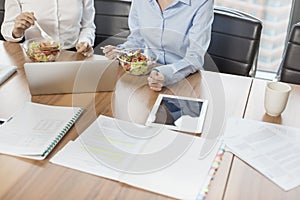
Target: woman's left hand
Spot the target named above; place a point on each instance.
(156, 80)
(85, 48)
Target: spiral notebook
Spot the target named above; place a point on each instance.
(35, 129)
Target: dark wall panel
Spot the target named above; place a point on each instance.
(1, 15)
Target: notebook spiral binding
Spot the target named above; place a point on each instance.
(63, 132)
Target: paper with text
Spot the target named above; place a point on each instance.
(35, 129)
(271, 149)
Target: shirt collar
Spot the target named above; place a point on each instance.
(188, 2)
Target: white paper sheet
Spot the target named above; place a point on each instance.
(271, 149)
(167, 163)
(6, 71)
(74, 155)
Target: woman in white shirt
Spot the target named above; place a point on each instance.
(69, 21)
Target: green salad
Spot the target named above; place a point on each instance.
(43, 51)
(135, 62)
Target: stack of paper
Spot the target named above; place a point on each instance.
(6, 71)
(159, 160)
(270, 148)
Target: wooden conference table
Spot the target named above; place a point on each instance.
(132, 100)
(246, 183)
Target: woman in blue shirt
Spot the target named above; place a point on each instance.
(178, 31)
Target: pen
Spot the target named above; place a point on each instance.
(10, 118)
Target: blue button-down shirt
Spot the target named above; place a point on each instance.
(180, 35)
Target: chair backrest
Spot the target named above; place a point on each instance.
(290, 64)
(111, 21)
(235, 42)
(1, 15)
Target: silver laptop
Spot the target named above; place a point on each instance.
(71, 77)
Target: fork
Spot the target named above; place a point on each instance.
(43, 33)
(125, 52)
(122, 51)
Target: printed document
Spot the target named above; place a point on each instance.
(271, 149)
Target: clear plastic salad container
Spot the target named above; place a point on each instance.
(42, 50)
(137, 61)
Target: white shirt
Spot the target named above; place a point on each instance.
(69, 21)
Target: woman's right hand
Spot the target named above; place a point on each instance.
(109, 53)
(23, 22)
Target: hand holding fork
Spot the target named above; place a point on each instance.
(24, 21)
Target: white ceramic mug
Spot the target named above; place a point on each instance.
(276, 97)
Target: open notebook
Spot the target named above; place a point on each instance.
(34, 130)
(6, 71)
(158, 160)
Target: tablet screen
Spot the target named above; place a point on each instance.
(178, 113)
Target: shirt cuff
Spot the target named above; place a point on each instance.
(172, 75)
(86, 36)
(9, 37)
(168, 72)
(88, 41)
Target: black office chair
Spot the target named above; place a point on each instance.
(111, 22)
(289, 70)
(234, 43)
(1, 15)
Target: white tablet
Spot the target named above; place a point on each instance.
(178, 113)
